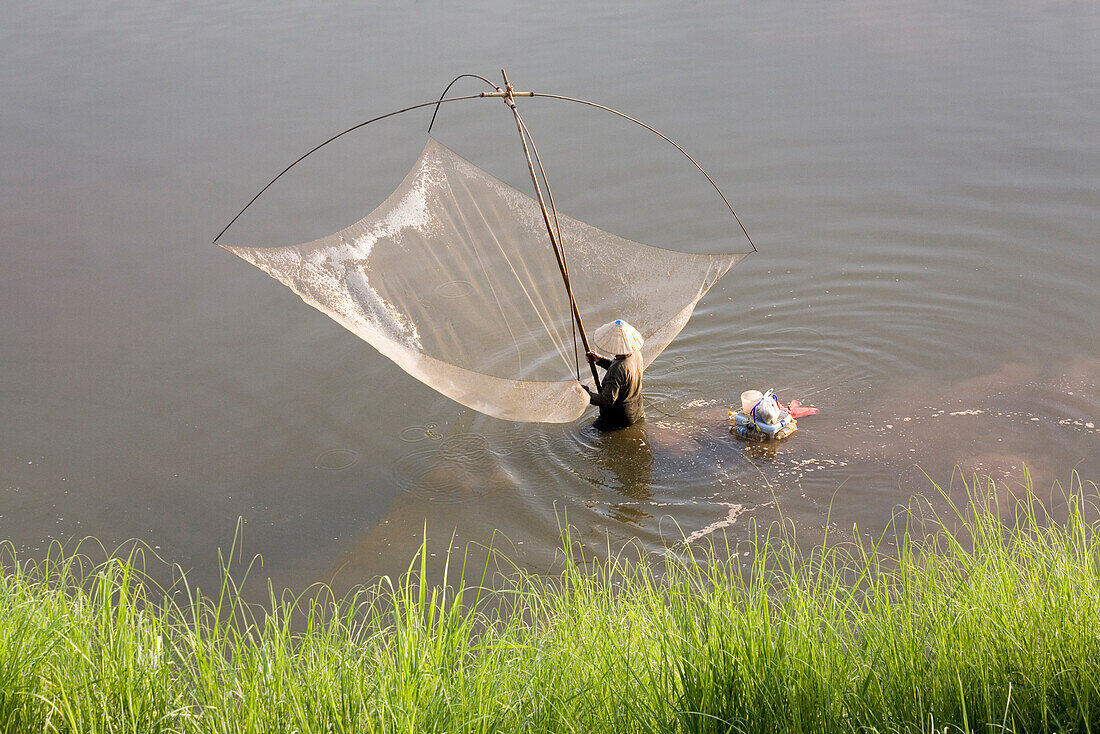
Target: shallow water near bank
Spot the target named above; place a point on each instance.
(921, 182)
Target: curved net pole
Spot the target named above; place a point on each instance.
(660, 134)
(251, 201)
(510, 101)
(448, 88)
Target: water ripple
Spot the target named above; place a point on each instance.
(336, 459)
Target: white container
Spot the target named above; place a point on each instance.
(750, 398)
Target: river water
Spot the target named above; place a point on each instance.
(922, 180)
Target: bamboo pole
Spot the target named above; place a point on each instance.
(509, 99)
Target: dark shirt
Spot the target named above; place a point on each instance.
(620, 396)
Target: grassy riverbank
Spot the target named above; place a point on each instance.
(988, 627)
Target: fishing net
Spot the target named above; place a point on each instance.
(454, 279)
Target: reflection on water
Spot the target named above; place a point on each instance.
(623, 461)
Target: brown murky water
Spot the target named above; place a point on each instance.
(922, 181)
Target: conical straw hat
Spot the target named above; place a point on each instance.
(617, 337)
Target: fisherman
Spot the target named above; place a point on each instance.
(620, 396)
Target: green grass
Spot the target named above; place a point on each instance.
(965, 623)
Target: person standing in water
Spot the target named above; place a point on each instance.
(620, 396)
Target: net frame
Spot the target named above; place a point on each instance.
(447, 203)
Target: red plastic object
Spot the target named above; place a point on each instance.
(798, 410)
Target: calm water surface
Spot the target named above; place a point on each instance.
(923, 181)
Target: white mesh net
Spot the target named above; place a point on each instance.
(454, 279)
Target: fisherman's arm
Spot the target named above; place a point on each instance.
(599, 360)
(609, 392)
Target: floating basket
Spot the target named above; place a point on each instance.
(743, 427)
